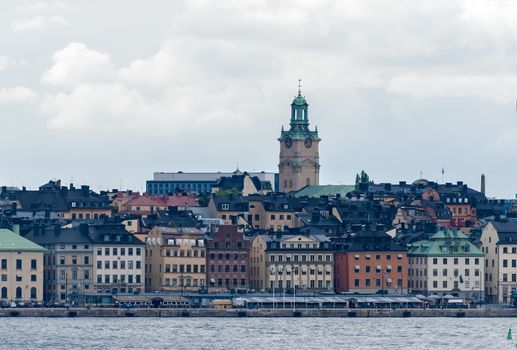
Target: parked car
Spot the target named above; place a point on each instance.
(13, 304)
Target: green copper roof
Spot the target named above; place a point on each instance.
(446, 242)
(299, 100)
(10, 241)
(314, 191)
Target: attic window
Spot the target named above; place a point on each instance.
(225, 206)
(286, 206)
(106, 238)
(73, 204)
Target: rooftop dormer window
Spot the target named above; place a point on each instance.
(106, 238)
(225, 206)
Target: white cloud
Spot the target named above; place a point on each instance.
(5, 62)
(77, 64)
(38, 7)
(93, 106)
(37, 22)
(18, 94)
(497, 88)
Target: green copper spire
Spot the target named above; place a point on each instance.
(299, 123)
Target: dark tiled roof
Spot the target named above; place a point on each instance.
(53, 235)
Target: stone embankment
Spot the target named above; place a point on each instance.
(113, 312)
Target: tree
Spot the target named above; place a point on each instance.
(362, 178)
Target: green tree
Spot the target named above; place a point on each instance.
(362, 178)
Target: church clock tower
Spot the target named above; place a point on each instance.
(299, 158)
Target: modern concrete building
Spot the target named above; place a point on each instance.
(21, 268)
(288, 262)
(175, 259)
(499, 243)
(446, 263)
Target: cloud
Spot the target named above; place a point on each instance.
(18, 94)
(496, 88)
(77, 64)
(5, 62)
(37, 22)
(38, 7)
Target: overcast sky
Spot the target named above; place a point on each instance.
(107, 92)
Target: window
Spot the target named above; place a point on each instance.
(86, 260)
(4, 264)
(34, 264)
(18, 264)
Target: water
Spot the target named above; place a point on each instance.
(256, 333)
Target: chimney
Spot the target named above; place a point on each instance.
(16, 229)
(459, 183)
(85, 190)
(483, 183)
(72, 186)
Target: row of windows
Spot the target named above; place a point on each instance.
(296, 270)
(505, 250)
(228, 256)
(115, 251)
(74, 246)
(423, 272)
(86, 216)
(189, 253)
(19, 264)
(312, 284)
(444, 261)
(181, 268)
(303, 257)
(119, 279)
(229, 282)
(228, 268)
(185, 282)
(19, 278)
(378, 257)
(115, 264)
(378, 269)
(368, 283)
(4, 294)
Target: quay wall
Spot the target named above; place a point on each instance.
(151, 312)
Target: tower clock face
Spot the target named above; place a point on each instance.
(288, 142)
(308, 142)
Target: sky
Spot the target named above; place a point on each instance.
(107, 92)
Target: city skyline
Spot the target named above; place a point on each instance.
(390, 92)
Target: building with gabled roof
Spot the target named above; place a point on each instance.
(21, 268)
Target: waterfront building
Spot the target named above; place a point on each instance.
(287, 262)
(370, 261)
(118, 259)
(227, 258)
(175, 259)
(499, 243)
(68, 262)
(21, 268)
(201, 182)
(299, 163)
(446, 263)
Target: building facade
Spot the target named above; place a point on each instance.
(499, 243)
(446, 263)
(369, 261)
(68, 263)
(299, 158)
(175, 259)
(289, 262)
(118, 259)
(227, 258)
(21, 268)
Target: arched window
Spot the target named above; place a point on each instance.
(4, 293)
(18, 292)
(308, 181)
(33, 293)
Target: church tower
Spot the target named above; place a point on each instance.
(299, 158)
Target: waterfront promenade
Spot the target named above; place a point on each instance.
(235, 312)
